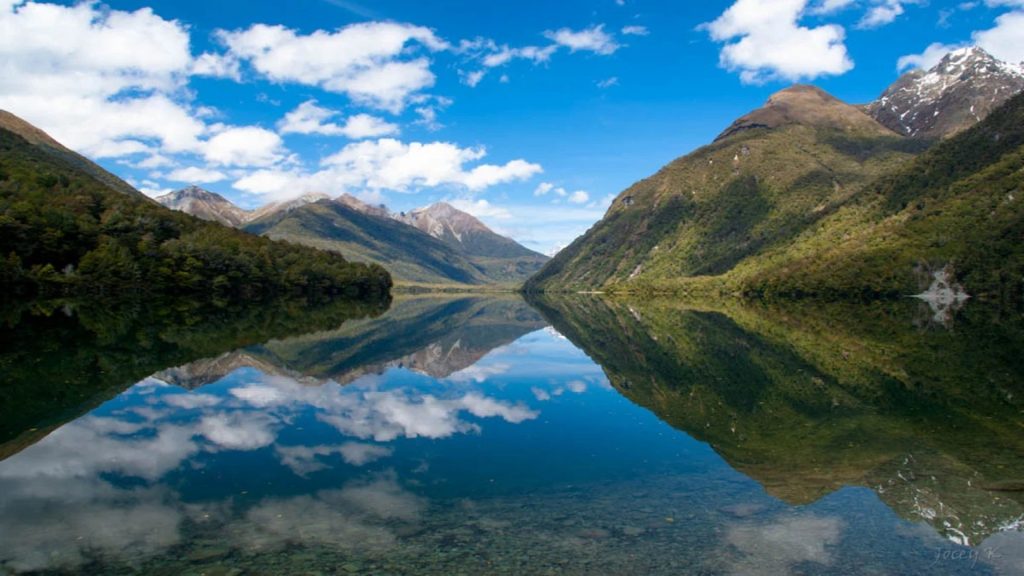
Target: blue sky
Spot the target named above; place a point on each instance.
(531, 115)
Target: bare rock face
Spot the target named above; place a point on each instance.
(206, 205)
(358, 205)
(464, 232)
(960, 91)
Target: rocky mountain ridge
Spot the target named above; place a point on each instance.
(958, 92)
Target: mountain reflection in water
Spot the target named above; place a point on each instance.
(469, 434)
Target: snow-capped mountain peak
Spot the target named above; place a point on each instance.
(959, 91)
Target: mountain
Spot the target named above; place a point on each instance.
(286, 206)
(406, 252)
(766, 179)
(358, 205)
(43, 142)
(438, 244)
(69, 228)
(961, 90)
(805, 105)
(501, 258)
(206, 205)
(954, 216)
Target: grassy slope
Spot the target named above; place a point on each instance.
(961, 203)
(739, 197)
(409, 254)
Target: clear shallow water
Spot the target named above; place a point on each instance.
(469, 436)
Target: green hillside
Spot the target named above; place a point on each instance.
(960, 205)
(409, 254)
(769, 177)
(814, 211)
(64, 229)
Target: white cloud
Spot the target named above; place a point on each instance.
(1003, 40)
(608, 82)
(635, 30)
(196, 175)
(579, 197)
(389, 164)
(244, 146)
(480, 208)
(593, 39)
(927, 59)
(366, 126)
(471, 79)
(492, 55)
(883, 12)
(309, 118)
(374, 63)
(543, 188)
(764, 41)
(98, 80)
(831, 6)
(217, 66)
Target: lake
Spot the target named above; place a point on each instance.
(488, 435)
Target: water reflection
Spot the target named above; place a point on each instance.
(467, 435)
(806, 400)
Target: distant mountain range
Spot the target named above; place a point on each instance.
(812, 196)
(438, 244)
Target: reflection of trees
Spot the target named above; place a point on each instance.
(60, 360)
(806, 400)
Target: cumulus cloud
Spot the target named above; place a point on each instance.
(764, 41)
(98, 80)
(883, 12)
(635, 30)
(543, 188)
(831, 6)
(374, 63)
(927, 59)
(217, 66)
(196, 175)
(480, 208)
(310, 118)
(388, 164)
(1003, 40)
(579, 197)
(244, 146)
(592, 39)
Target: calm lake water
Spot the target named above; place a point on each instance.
(487, 436)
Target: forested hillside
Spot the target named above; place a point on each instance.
(63, 230)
